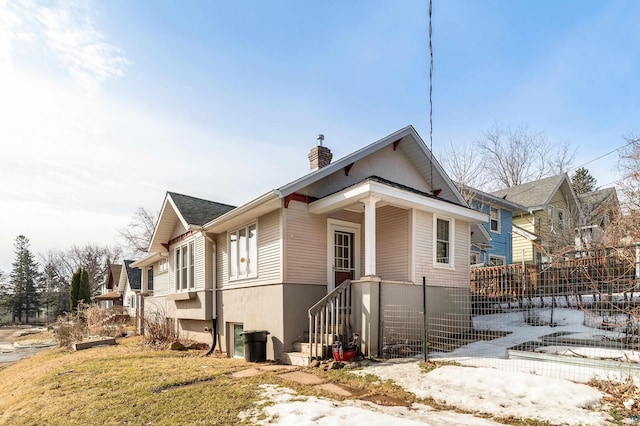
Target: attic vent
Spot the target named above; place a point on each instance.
(319, 156)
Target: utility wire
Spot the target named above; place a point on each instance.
(431, 91)
(604, 155)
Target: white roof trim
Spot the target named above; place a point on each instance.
(148, 260)
(394, 196)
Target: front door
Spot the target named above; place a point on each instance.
(343, 257)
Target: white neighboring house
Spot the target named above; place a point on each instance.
(131, 284)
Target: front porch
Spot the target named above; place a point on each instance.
(396, 236)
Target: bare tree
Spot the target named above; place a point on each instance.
(516, 156)
(629, 166)
(137, 235)
(94, 258)
(465, 167)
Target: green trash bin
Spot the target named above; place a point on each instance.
(255, 345)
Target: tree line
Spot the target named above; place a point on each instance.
(40, 288)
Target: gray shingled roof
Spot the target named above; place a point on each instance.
(531, 194)
(197, 211)
(485, 197)
(134, 275)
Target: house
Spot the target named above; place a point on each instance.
(384, 216)
(499, 250)
(599, 208)
(547, 226)
(130, 286)
(109, 295)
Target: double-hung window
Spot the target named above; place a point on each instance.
(494, 219)
(185, 267)
(443, 242)
(243, 252)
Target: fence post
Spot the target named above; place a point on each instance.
(425, 345)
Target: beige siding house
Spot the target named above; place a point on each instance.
(548, 224)
(384, 215)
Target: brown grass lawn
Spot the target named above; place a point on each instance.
(133, 384)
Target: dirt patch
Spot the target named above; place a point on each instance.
(385, 400)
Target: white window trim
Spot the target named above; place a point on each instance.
(499, 214)
(562, 224)
(551, 216)
(163, 266)
(472, 255)
(452, 233)
(190, 246)
(493, 256)
(248, 253)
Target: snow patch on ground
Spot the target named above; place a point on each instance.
(283, 406)
(498, 393)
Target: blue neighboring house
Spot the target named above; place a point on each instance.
(498, 251)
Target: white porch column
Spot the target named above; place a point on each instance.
(144, 287)
(370, 235)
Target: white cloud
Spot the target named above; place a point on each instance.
(65, 31)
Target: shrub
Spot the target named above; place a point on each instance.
(68, 330)
(159, 330)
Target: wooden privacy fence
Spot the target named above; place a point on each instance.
(607, 271)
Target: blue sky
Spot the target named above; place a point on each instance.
(106, 105)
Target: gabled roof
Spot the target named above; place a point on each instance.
(134, 276)
(191, 212)
(406, 140)
(537, 194)
(196, 211)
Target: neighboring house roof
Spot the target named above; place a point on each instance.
(485, 197)
(537, 194)
(597, 203)
(134, 276)
(114, 295)
(111, 278)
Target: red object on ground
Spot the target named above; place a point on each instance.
(344, 353)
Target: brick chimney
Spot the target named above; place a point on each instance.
(319, 156)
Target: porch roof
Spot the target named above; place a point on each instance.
(114, 295)
(395, 194)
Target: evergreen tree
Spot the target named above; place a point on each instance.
(582, 181)
(24, 282)
(74, 290)
(84, 295)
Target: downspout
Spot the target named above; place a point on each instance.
(214, 319)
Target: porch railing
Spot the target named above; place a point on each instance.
(330, 320)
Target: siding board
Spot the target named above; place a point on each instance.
(392, 240)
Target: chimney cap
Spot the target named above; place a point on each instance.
(320, 138)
